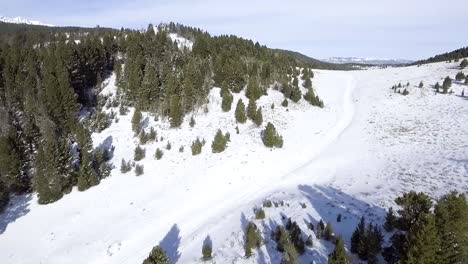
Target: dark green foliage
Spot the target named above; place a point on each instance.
(227, 101)
(267, 203)
(308, 83)
(136, 120)
(220, 142)
(253, 91)
(296, 94)
(206, 252)
(196, 147)
(251, 109)
(405, 92)
(284, 103)
(423, 243)
(312, 98)
(309, 241)
(295, 236)
(139, 153)
(4, 197)
(139, 170)
(253, 238)
(320, 229)
(460, 76)
(157, 256)
(240, 112)
(328, 232)
(413, 205)
(390, 220)
(366, 241)
(175, 111)
(270, 137)
(125, 166)
(259, 213)
(446, 85)
(192, 122)
(144, 137)
(158, 154)
(463, 64)
(100, 121)
(338, 256)
(451, 214)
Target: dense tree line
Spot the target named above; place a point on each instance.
(448, 56)
(43, 85)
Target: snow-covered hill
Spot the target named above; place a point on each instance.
(369, 61)
(367, 146)
(20, 20)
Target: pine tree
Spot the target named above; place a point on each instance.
(423, 243)
(196, 147)
(136, 121)
(338, 256)
(463, 64)
(390, 220)
(253, 89)
(328, 232)
(192, 122)
(357, 236)
(307, 83)
(86, 175)
(158, 154)
(296, 94)
(446, 85)
(251, 109)
(253, 238)
(284, 103)
(139, 170)
(451, 214)
(320, 229)
(139, 153)
(421, 84)
(175, 111)
(413, 205)
(437, 87)
(270, 137)
(206, 252)
(157, 256)
(227, 101)
(460, 76)
(219, 142)
(258, 117)
(125, 166)
(240, 112)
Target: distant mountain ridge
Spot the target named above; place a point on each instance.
(21, 20)
(367, 61)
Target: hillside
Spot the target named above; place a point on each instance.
(116, 141)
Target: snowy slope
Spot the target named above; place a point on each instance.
(354, 156)
(20, 20)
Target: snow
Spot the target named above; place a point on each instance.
(367, 146)
(182, 43)
(20, 20)
(371, 61)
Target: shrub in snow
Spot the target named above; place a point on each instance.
(207, 249)
(252, 109)
(240, 112)
(338, 256)
(421, 84)
(460, 76)
(139, 153)
(464, 63)
(181, 149)
(296, 94)
(125, 166)
(258, 120)
(270, 137)
(152, 136)
(309, 241)
(168, 146)
(267, 203)
(328, 232)
(253, 238)
(157, 256)
(285, 103)
(295, 235)
(158, 154)
(312, 98)
(143, 137)
(259, 214)
(139, 170)
(220, 142)
(446, 84)
(192, 122)
(196, 147)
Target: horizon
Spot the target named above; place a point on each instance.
(372, 30)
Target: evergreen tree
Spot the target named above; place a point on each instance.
(125, 166)
(175, 113)
(357, 236)
(421, 84)
(446, 85)
(460, 76)
(139, 153)
(253, 90)
(437, 87)
(463, 64)
(253, 238)
(158, 154)
(413, 205)
(423, 243)
(227, 101)
(338, 256)
(270, 137)
(328, 232)
(139, 170)
(196, 147)
(258, 117)
(284, 103)
(219, 142)
(240, 112)
(451, 214)
(296, 94)
(157, 256)
(320, 229)
(192, 122)
(308, 83)
(136, 121)
(390, 220)
(251, 109)
(86, 175)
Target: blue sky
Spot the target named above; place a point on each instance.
(411, 29)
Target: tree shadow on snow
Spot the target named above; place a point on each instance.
(106, 146)
(16, 208)
(170, 243)
(330, 202)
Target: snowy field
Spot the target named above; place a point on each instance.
(367, 146)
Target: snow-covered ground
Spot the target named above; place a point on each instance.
(353, 157)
